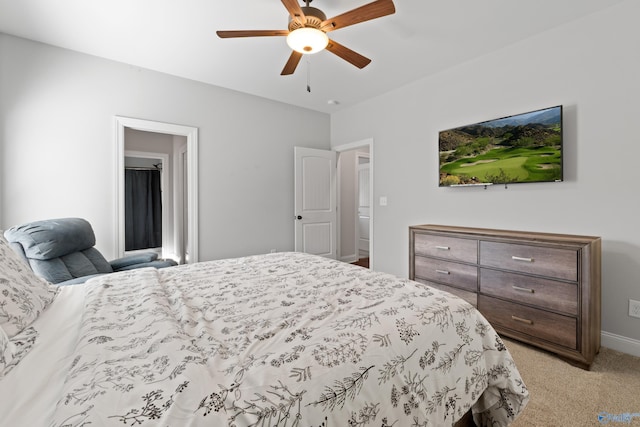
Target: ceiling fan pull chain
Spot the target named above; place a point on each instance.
(308, 73)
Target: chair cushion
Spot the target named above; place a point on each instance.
(78, 264)
(52, 238)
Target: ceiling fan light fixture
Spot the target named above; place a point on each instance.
(307, 40)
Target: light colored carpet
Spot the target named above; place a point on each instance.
(563, 395)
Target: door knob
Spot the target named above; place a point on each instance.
(299, 217)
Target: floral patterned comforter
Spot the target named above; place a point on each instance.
(285, 339)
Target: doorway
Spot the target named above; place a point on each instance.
(182, 242)
(321, 188)
(148, 202)
(355, 193)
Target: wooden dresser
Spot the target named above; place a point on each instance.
(539, 288)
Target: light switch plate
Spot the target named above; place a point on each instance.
(634, 308)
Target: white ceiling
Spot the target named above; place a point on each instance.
(178, 37)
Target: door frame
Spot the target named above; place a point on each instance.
(191, 133)
(348, 147)
(361, 155)
(180, 208)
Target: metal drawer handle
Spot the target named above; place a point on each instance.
(518, 258)
(443, 248)
(520, 319)
(442, 272)
(518, 288)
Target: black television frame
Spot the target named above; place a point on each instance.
(533, 138)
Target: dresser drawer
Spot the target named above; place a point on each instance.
(447, 272)
(545, 293)
(451, 248)
(539, 288)
(551, 262)
(470, 297)
(551, 327)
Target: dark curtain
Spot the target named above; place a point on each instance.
(143, 209)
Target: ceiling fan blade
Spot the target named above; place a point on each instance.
(251, 33)
(291, 64)
(347, 54)
(294, 9)
(376, 9)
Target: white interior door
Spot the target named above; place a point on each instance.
(315, 201)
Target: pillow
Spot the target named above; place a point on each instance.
(6, 351)
(13, 351)
(23, 295)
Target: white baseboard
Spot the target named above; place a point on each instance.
(618, 342)
(349, 258)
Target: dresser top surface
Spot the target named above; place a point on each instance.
(521, 235)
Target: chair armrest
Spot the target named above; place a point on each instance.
(161, 263)
(130, 260)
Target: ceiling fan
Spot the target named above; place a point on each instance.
(308, 27)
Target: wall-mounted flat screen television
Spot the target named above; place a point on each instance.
(524, 147)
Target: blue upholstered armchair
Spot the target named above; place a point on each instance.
(62, 251)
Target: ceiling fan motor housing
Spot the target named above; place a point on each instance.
(315, 17)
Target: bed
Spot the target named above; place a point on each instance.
(284, 339)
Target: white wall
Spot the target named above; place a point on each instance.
(590, 66)
(58, 147)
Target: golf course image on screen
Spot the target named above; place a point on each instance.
(520, 148)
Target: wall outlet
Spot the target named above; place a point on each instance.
(634, 308)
